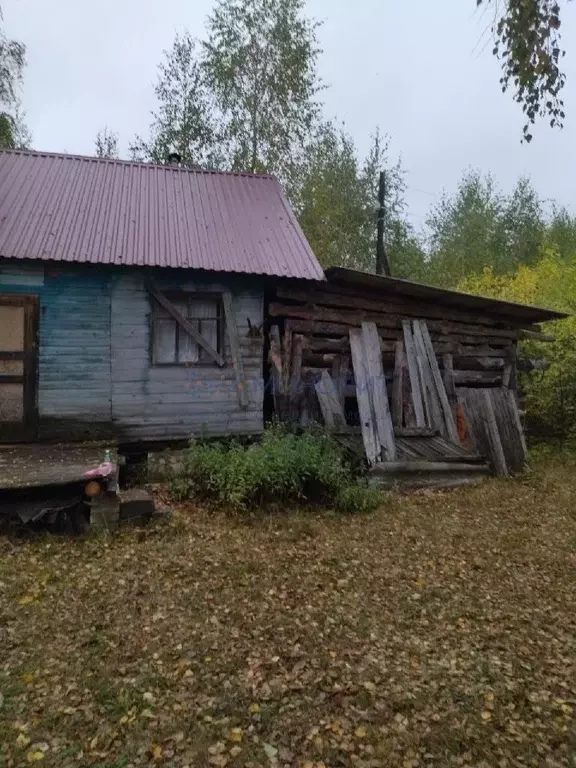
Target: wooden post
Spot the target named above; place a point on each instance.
(382, 261)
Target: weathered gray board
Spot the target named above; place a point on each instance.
(414, 374)
(330, 402)
(494, 421)
(367, 425)
(378, 392)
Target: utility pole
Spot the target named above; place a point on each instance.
(382, 262)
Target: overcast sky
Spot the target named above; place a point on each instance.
(420, 69)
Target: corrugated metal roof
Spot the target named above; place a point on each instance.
(86, 209)
(505, 310)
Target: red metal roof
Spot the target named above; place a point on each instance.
(86, 209)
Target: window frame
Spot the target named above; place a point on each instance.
(179, 296)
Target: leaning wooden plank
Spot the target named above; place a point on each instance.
(296, 367)
(449, 383)
(414, 375)
(431, 404)
(513, 405)
(377, 384)
(275, 360)
(397, 387)
(452, 432)
(363, 396)
(496, 451)
(287, 359)
(330, 404)
(234, 338)
(185, 324)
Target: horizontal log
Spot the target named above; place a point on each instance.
(426, 466)
(400, 299)
(342, 345)
(338, 329)
(355, 318)
(387, 303)
(476, 378)
(525, 333)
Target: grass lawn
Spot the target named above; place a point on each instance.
(439, 631)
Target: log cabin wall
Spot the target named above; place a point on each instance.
(309, 333)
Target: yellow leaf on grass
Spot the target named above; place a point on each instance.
(35, 757)
(236, 735)
(156, 751)
(28, 677)
(254, 709)
(486, 715)
(361, 732)
(26, 600)
(147, 714)
(22, 740)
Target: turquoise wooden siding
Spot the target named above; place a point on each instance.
(73, 346)
(157, 401)
(95, 376)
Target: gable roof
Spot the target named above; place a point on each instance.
(91, 210)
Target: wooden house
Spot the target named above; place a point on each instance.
(132, 297)
(147, 303)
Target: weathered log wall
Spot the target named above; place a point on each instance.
(314, 322)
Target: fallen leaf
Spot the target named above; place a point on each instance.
(486, 715)
(156, 751)
(34, 757)
(270, 751)
(254, 709)
(361, 732)
(236, 735)
(26, 600)
(22, 740)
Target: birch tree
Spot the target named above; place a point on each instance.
(260, 60)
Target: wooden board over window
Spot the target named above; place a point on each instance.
(171, 344)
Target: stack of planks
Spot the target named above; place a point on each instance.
(399, 369)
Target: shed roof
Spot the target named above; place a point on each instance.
(92, 210)
(506, 310)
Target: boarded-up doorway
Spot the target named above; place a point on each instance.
(18, 356)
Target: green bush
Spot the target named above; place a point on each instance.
(283, 468)
(357, 499)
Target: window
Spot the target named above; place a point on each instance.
(171, 345)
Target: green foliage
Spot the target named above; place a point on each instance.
(551, 282)
(184, 121)
(13, 131)
(336, 200)
(480, 227)
(283, 468)
(527, 41)
(357, 499)
(260, 64)
(12, 63)
(106, 143)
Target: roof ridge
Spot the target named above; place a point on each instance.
(119, 161)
